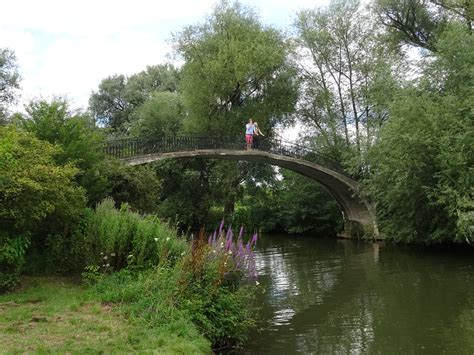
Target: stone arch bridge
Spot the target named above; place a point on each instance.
(301, 159)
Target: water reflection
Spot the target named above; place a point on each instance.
(328, 296)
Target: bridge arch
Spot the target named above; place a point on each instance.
(341, 187)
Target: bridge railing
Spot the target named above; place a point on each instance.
(133, 147)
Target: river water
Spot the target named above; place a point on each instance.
(326, 296)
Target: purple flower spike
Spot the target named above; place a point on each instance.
(228, 244)
(221, 227)
(229, 232)
(254, 240)
(241, 232)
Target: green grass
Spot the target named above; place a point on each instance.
(52, 314)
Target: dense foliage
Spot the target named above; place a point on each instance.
(422, 169)
(34, 190)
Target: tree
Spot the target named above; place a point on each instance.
(138, 186)
(185, 194)
(33, 189)
(347, 76)
(162, 114)
(9, 81)
(304, 205)
(421, 170)
(109, 105)
(119, 96)
(235, 68)
(79, 139)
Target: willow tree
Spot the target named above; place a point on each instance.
(235, 68)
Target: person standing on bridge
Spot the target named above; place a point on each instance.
(257, 133)
(249, 130)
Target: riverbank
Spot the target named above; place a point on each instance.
(58, 314)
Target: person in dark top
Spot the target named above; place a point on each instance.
(257, 133)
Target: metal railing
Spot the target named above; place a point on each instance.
(134, 147)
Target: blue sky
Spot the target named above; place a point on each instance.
(65, 48)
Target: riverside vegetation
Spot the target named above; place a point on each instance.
(148, 289)
(404, 130)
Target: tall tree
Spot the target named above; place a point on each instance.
(235, 68)
(78, 137)
(34, 190)
(9, 81)
(422, 173)
(342, 65)
(119, 96)
(109, 104)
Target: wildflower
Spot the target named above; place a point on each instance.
(107, 264)
(105, 257)
(229, 252)
(112, 254)
(101, 253)
(167, 238)
(156, 239)
(257, 283)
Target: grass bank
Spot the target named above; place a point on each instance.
(52, 314)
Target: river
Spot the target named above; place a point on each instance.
(326, 296)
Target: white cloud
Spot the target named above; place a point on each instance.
(68, 47)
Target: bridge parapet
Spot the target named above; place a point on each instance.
(134, 147)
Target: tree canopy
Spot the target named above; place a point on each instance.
(235, 68)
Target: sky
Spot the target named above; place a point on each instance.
(66, 47)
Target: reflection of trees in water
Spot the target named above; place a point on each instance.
(340, 297)
(308, 279)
